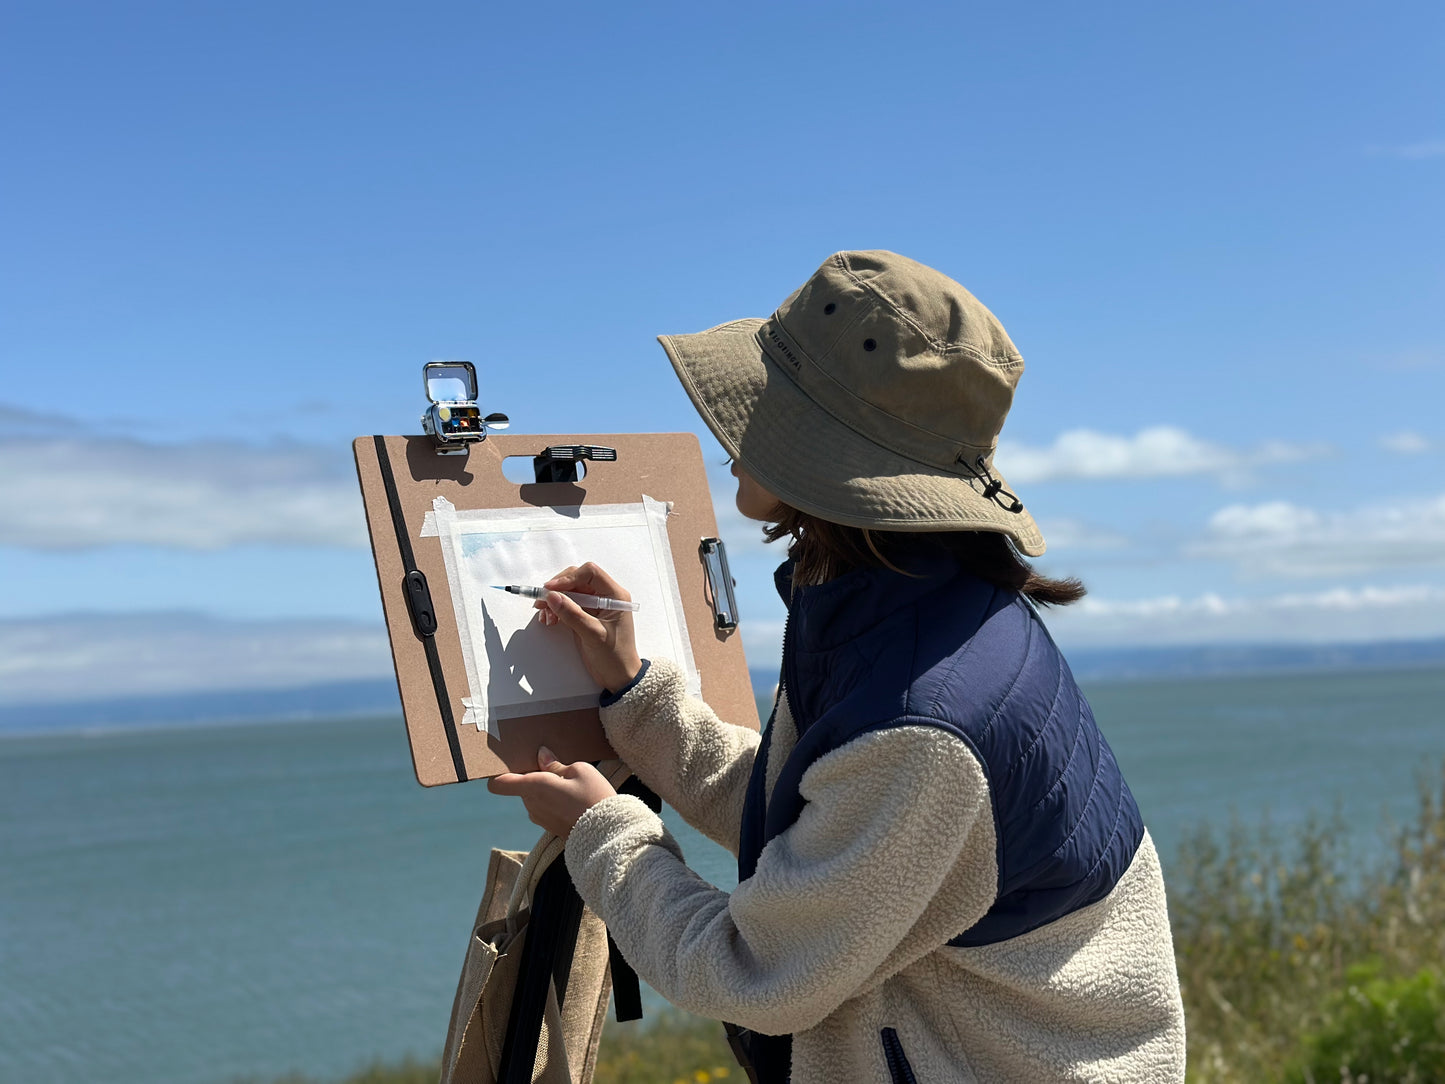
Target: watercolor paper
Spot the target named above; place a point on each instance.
(515, 665)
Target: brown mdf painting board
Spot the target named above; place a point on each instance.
(431, 671)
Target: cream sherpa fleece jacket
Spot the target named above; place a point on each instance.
(841, 931)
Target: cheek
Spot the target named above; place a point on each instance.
(753, 501)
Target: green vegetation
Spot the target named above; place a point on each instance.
(673, 1048)
(407, 1072)
(1299, 963)
(1379, 1029)
(1307, 964)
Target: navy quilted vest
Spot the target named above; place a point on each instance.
(875, 649)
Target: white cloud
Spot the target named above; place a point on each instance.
(1072, 534)
(94, 656)
(1159, 452)
(82, 657)
(1426, 148)
(17, 421)
(1272, 519)
(1282, 539)
(1418, 360)
(1405, 442)
(62, 494)
(1337, 614)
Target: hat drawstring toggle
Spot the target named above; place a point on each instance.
(993, 489)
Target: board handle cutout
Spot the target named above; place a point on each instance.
(521, 470)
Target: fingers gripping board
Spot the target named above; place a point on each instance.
(402, 476)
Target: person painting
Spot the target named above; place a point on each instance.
(942, 875)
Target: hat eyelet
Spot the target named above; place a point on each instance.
(829, 309)
(870, 344)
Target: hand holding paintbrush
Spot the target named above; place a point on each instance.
(606, 640)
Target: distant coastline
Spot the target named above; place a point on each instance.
(1238, 660)
(379, 697)
(1125, 664)
(332, 700)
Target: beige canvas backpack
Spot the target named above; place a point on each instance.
(559, 990)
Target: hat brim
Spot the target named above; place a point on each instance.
(809, 459)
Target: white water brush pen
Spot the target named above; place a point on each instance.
(587, 602)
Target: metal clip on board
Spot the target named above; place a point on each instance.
(719, 584)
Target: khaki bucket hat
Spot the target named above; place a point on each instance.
(873, 397)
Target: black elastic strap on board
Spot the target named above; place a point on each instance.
(433, 658)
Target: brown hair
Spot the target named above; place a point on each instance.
(822, 551)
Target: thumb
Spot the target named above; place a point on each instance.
(547, 761)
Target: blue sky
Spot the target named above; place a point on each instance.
(233, 233)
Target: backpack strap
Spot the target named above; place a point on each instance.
(554, 916)
(626, 989)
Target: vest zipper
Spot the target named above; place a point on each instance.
(788, 675)
(782, 671)
(899, 1071)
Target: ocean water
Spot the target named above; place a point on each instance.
(208, 904)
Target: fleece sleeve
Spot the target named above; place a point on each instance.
(892, 855)
(677, 745)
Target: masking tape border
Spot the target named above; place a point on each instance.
(447, 525)
(657, 513)
(442, 521)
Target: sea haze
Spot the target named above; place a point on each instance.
(379, 697)
(326, 701)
